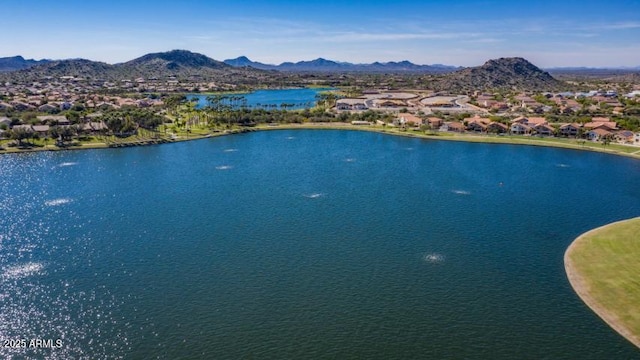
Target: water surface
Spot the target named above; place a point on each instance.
(270, 99)
(306, 244)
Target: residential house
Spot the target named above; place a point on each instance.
(477, 124)
(408, 119)
(624, 137)
(636, 139)
(453, 126)
(607, 125)
(42, 130)
(95, 126)
(520, 129)
(544, 130)
(530, 121)
(598, 134)
(54, 119)
(351, 104)
(49, 107)
(570, 130)
(434, 122)
(497, 128)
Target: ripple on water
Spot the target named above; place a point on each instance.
(461, 192)
(57, 202)
(21, 271)
(224, 167)
(434, 258)
(313, 195)
(230, 150)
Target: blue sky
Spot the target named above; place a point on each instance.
(466, 33)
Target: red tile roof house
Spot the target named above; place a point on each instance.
(520, 129)
(544, 130)
(570, 130)
(452, 126)
(478, 125)
(497, 128)
(598, 134)
(624, 137)
(530, 121)
(408, 119)
(434, 122)
(607, 125)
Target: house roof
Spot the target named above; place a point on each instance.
(600, 132)
(573, 125)
(500, 125)
(612, 125)
(406, 117)
(524, 126)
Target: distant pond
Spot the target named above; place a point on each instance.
(281, 99)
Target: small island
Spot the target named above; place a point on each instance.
(602, 266)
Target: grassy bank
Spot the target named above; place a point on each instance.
(199, 133)
(602, 266)
(575, 144)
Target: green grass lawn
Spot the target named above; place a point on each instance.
(607, 264)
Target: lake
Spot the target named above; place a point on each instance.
(305, 244)
(294, 99)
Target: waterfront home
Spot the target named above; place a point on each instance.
(606, 125)
(408, 119)
(570, 130)
(477, 124)
(94, 126)
(544, 129)
(42, 130)
(530, 121)
(497, 128)
(598, 134)
(520, 129)
(434, 122)
(624, 137)
(453, 126)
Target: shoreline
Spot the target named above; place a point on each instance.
(580, 284)
(488, 139)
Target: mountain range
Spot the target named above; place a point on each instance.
(14, 63)
(511, 73)
(504, 73)
(324, 65)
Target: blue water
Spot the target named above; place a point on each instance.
(305, 244)
(295, 99)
